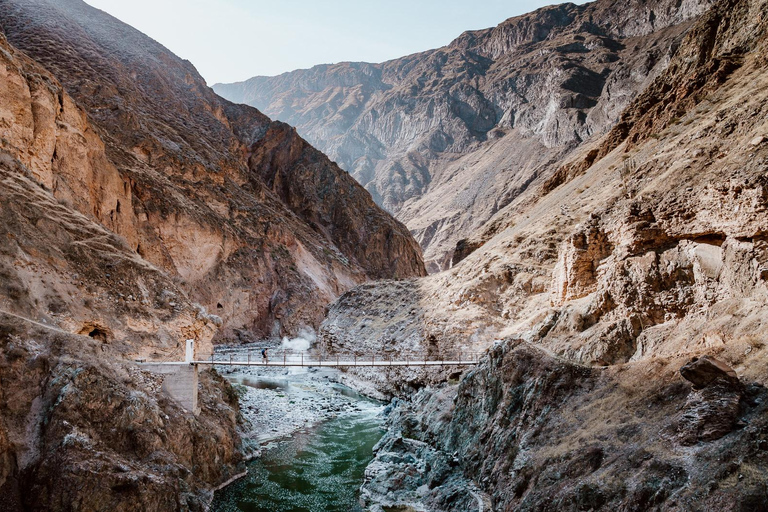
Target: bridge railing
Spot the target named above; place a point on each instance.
(284, 357)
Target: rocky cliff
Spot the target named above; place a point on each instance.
(80, 427)
(606, 284)
(528, 431)
(256, 225)
(612, 258)
(447, 138)
(137, 210)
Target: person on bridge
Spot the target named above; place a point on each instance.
(264, 358)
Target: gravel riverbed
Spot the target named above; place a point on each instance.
(278, 402)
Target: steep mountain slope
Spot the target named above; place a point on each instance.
(596, 289)
(133, 202)
(258, 226)
(632, 257)
(446, 138)
(77, 426)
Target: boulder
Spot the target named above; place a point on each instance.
(704, 371)
(712, 409)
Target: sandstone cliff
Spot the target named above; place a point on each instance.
(447, 138)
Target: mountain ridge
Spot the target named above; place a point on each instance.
(144, 102)
(437, 137)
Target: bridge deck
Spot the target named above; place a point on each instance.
(333, 363)
(340, 360)
(181, 383)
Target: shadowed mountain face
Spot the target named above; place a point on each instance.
(254, 223)
(446, 138)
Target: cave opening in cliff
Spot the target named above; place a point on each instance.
(96, 332)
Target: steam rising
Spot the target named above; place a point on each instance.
(302, 342)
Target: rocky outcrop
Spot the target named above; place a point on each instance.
(87, 430)
(409, 472)
(575, 274)
(526, 431)
(705, 371)
(713, 408)
(447, 138)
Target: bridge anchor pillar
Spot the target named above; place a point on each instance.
(179, 382)
(179, 379)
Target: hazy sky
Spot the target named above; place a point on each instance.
(231, 40)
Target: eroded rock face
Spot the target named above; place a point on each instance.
(93, 431)
(64, 270)
(78, 423)
(575, 274)
(130, 135)
(333, 203)
(526, 431)
(446, 138)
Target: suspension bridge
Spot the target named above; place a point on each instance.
(302, 359)
(180, 378)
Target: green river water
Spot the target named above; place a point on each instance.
(312, 471)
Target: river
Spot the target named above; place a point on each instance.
(316, 439)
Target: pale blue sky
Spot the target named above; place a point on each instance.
(231, 40)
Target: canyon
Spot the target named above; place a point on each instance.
(589, 185)
(598, 289)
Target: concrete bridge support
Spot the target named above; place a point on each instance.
(179, 379)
